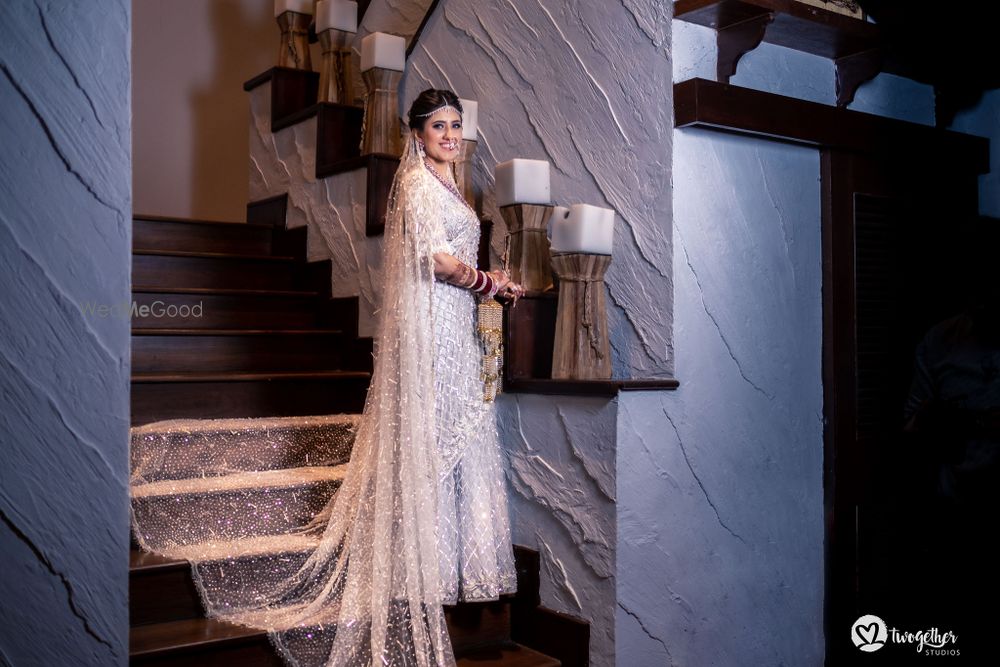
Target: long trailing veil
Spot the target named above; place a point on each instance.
(370, 593)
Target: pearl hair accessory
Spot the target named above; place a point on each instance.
(440, 108)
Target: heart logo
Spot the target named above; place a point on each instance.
(867, 633)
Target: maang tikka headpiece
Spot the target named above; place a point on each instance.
(440, 108)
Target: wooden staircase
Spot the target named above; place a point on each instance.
(231, 320)
(239, 324)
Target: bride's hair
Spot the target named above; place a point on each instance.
(428, 102)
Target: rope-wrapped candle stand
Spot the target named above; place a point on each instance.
(581, 350)
(293, 17)
(524, 198)
(336, 23)
(383, 58)
(581, 253)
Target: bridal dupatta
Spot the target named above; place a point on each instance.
(375, 575)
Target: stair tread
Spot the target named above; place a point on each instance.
(239, 423)
(270, 479)
(155, 638)
(195, 221)
(509, 655)
(249, 376)
(214, 255)
(151, 639)
(167, 331)
(146, 561)
(223, 291)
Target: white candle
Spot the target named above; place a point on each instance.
(521, 181)
(383, 50)
(470, 120)
(583, 228)
(336, 14)
(297, 6)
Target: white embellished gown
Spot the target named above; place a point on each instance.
(476, 554)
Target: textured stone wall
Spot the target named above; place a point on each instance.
(720, 502)
(333, 208)
(586, 86)
(984, 120)
(561, 470)
(65, 237)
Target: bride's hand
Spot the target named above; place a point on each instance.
(501, 279)
(507, 288)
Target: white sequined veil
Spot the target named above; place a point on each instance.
(370, 592)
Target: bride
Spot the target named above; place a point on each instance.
(420, 520)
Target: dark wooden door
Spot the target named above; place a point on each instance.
(895, 225)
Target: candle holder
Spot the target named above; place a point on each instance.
(463, 171)
(336, 81)
(581, 350)
(529, 259)
(294, 49)
(381, 132)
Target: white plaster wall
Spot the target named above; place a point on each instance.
(65, 238)
(720, 494)
(783, 71)
(586, 86)
(333, 208)
(190, 59)
(984, 120)
(560, 455)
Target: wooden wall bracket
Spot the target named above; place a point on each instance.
(853, 70)
(736, 40)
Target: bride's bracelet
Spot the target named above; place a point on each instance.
(484, 285)
(480, 282)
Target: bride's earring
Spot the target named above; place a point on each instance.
(420, 148)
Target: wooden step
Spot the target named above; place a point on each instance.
(172, 450)
(200, 642)
(163, 268)
(162, 233)
(162, 591)
(203, 642)
(168, 349)
(198, 307)
(271, 502)
(159, 396)
(507, 655)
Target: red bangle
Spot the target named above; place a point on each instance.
(487, 285)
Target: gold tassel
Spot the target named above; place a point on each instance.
(491, 335)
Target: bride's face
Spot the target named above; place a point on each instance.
(442, 135)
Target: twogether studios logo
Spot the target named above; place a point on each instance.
(870, 633)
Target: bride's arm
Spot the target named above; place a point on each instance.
(450, 269)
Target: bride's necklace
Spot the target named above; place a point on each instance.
(449, 186)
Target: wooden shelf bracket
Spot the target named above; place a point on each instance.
(853, 70)
(737, 39)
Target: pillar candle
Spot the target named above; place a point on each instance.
(470, 120)
(521, 181)
(297, 6)
(583, 228)
(383, 50)
(336, 14)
